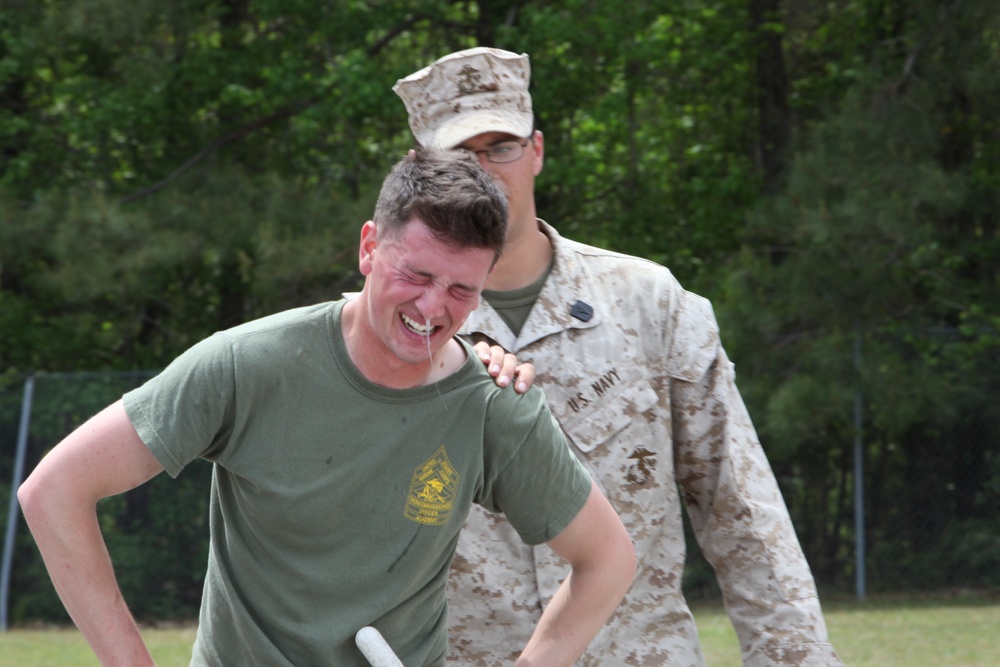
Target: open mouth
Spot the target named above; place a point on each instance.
(420, 329)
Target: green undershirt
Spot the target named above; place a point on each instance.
(513, 306)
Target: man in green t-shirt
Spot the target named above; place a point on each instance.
(349, 440)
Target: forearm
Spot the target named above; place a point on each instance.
(603, 564)
(580, 607)
(81, 571)
(103, 457)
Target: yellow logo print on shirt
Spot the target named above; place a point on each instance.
(432, 491)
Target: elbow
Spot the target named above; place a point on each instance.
(610, 558)
(28, 499)
(619, 561)
(629, 563)
(632, 561)
(619, 552)
(35, 498)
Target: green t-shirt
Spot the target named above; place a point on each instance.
(336, 503)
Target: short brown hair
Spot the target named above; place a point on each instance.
(449, 192)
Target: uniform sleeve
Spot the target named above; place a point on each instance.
(183, 413)
(737, 512)
(531, 476)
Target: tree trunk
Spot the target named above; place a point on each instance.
(772, 93)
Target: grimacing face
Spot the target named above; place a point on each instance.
(420, 290)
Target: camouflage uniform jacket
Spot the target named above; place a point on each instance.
(633, 369)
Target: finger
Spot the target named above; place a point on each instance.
(483, 351)
(494, 358)
(525, 377)
(508, 369)
(491, 356)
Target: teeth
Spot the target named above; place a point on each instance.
(417, 327)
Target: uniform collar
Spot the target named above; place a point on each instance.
(565, 302)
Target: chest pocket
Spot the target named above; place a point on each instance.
(612, 401)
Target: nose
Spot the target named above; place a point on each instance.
(431, 303)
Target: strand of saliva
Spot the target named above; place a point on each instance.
(430, 358)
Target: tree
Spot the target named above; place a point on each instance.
(880, 237)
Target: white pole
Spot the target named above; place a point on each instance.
(13, 510)
(859, 478)
(375, 648)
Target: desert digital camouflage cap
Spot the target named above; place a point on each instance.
(467, 93)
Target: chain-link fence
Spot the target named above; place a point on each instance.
(932, 517)
(157, 534)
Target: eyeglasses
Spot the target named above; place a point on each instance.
(503, 152)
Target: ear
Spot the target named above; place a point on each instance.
(366, 249)
(538, 151)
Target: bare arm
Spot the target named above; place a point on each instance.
(603, 564)
(103, 457)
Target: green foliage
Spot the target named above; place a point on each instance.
(118, 95)
(130, 286)
(646, 122)
(866, 280)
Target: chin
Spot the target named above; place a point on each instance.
(415, 353)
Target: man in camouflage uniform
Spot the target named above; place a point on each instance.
(633, 369)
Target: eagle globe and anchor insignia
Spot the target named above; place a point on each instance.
(432, 491)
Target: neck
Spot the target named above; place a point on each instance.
(526, 256)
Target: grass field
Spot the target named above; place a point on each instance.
(925, 632)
